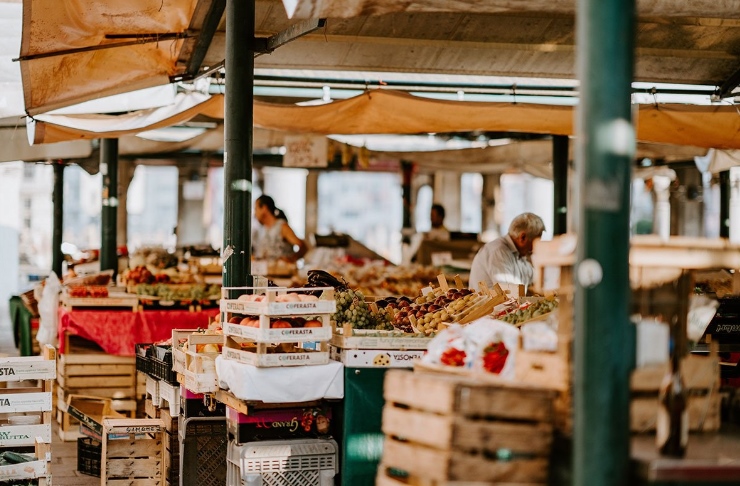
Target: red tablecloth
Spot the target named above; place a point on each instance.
(117, 331)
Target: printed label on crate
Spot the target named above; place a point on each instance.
(279, 335)
(25, 402)
(276, 359)
(279, 424)
(24, 435)
(279, 308)
(26, 470)
(18, 369)
(376, 358)
(134, 429)
(380, 342)
(728, 328)
(85, 420)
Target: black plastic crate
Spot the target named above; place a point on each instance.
(203, 448)
(163, 370)
(89, 452)
(194, 407)
(143, 361)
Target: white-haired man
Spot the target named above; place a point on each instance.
(507, 258)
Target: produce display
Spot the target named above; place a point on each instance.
(381, 280)
(91, 291)
(186, 292)
(528, 311)
(352, 309)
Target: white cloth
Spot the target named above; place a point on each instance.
(290, 384)
(500, 262)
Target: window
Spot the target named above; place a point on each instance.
(367, 206)
(28, 170)
(27, 203)
(27, 223)
(471, 194)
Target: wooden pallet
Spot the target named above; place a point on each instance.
(138, 458)
(444, 428)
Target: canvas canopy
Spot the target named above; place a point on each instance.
(386, 111)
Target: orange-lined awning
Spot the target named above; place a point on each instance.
(391, 112)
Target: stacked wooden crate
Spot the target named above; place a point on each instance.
(133, 452)
(89, 372)
(33, 398)
(450, 430)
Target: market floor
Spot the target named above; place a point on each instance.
(64, 463)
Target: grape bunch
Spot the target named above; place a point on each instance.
(383, 320)
(352, 309)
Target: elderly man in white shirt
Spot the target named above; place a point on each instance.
(507, 258)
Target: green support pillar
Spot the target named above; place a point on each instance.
(724, 204)
(604, 336)
(407, 171)
(239, 65)
(109, 215)
(58, 223)
(560, 184)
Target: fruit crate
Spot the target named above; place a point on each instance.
(264, 333)
(301, 462)
(442, 429)
(192, 340)
(38, 469)
(203, 448)
(272, 301)
(89, 452)
(262, 356)
(200, 373)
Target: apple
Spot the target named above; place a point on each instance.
(280, 324)
(313, 323)
(236, 320)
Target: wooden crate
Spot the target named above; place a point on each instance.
(40, 372)
(445, 428)
(701, 378)
(84, 373)
(136, 459)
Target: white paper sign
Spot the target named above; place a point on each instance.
(441, 258)
(305, 151)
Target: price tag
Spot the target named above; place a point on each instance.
(441, 258)
(259, 267)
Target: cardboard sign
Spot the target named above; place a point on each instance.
(305, 151)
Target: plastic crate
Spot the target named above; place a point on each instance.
(301, 462)
(203, 448)
(163, 370)
(89, 452)
(143, 361)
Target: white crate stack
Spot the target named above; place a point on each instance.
(262, 345)
(300, 462)
(34, 400)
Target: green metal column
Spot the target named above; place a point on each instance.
(604, 336)
(57, 197)
(724, 204)
(109, 215)
(239, 66)
(407, 172)
(560, 183)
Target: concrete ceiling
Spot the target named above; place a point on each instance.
(693, 50)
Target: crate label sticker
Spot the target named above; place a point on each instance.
(36, 369)
(142, 429)
(26, 402)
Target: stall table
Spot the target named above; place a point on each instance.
(117, 331)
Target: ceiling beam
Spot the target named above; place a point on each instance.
(301, 29)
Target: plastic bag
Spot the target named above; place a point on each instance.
(484, 345)
(48, 306)
(701, 312)
(539, 336)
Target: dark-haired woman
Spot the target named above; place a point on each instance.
(274, 239)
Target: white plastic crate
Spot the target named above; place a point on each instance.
(302, 462)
